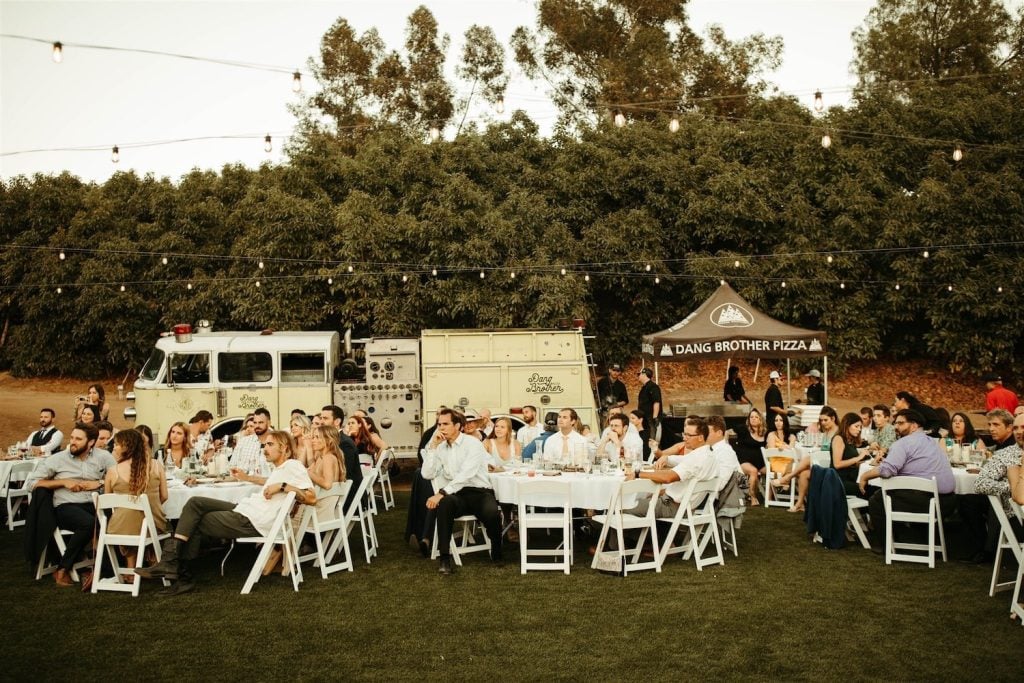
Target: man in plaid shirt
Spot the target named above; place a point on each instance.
(248, 453)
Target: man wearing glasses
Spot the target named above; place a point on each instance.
(915, 454)
(674, 471)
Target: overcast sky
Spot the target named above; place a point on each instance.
(102, 98)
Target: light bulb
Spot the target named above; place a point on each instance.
(257, 284)
(62, 255)
(950, 288)
(434, 134)
(721, 282)
(499, 106)
(482, 276)
(586, 277)
(673, 125)
(826, 140)
(189, 285)
(563, 271)
(405, 278)
(958, 153)
(330, 280)
(999, 289)
(842, 285)
(897, 286)
(647, 267)
(122, 288)
(164, 260)
(58, 55)
(434, 272)
(819, 103)
(59, 290)
(350, 269)
(783, 284)
(620, 120)
(736, 264)
(115, 154)
(829, 258)
(925, 254)
(260, 264)
(296, 82)
(268, 146)
(657, 280)
(512, 275)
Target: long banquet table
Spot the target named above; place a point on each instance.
(178, 494)
(591, 491)
(964, 480)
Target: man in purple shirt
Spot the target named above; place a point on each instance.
(915, 454)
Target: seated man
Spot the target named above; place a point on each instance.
(992, 481)
(915, 454)
(675, 471)
(254, 516)
(456, 465)
(550, 428)
(105, 435)
(248, 452)
(722, 450)
(561, 446)
(73, 475)
(619, 440)
(47, 439)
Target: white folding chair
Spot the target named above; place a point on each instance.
(16, 495)
(932, 517)
(280, 534)
(615, 518)
(778, 462)
(325, 531)
(696, 515)
(1007, 541)
(854, 505)
(44, 568)
(366, 466)
(387, 494)
(1016, 608)
(548, 494)
(463, 541)
(356, 514)
(366, 511)
(107, 542)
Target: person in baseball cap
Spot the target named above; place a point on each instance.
(773, 403)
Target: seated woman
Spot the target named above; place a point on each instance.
(733, 392)
(325, 468)
(781, 436)
(136, 474)
(828, 429)
(177, 444)
(962, 431)
(97, 398)
(749, 443)
(247, 428)
(636, 419)
(371, 427)
(300, 428)
(365, 441)
(502, 446)
(147, 435)
(846, 457)
(88, 414)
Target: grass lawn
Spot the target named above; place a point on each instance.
(785, 609)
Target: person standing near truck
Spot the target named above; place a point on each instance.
(611, 392)
(648, 401)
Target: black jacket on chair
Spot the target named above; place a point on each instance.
(826, 507)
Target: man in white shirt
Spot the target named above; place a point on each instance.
(619, 441)
(675, 471)
(532, 429)
(722, 450)
(47, 439)
(248, 452)
(560, 446)
(615, 410)
(456, 465)
(253, 516)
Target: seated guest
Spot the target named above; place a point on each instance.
(73, 475)
(301, 429)
(907, 401)
(106, 433)
(212, 518)
(474, 424)
(246, 429)
(828, 429)
(722, 450)
(983, 527)
(135, 474)
(89, 414)
(326, 467)
(915, 454)
(866, 425)
(503, 449)
(962, 431)
(561, 446)
(885, 433)
(177, 444)
(674, 472)
(550, 429)
(334, 416)
(457, 467)
(636, 424)
(846, 457)
(247, 454)
(619, 441)
(201, 435)
(781, 436)
(532, 427)
(371, 427)
(95, 397)
(749, 442)
(147, 435)
(47, 439)
(366, 442)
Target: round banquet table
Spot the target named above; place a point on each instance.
(592, 491)
(178, 494)
(964, 479)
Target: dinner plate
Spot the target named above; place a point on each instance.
(230, 483)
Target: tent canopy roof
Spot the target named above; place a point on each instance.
(726, 326)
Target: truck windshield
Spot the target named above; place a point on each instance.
(151, 370)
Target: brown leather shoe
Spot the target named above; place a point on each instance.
(87, 581)
(61, 578)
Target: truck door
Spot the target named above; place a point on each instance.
(247, 379)
(185, 390)
(305, 381)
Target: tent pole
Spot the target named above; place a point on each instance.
(789, 386)
(826, 379)
(757, 368)
(728, 363)
(656, 376)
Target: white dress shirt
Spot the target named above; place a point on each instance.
(53, 440)
(631, 440)
(555, 449)
(453, 466)
(699, 464)
(727, 460)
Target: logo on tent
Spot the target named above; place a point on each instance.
(815, 345)
(666, 350)
(731, 315)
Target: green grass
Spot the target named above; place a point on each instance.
(784, 609)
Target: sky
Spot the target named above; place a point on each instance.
(102, 98)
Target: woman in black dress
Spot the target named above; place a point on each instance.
(733, 391)
(846, 457)
(749, 443)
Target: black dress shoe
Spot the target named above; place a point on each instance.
(878, 550)
(425, 548)
(179, 587)
(445, 568)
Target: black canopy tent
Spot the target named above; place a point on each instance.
(726, 326)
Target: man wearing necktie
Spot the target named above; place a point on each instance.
(47, 439)
(561, 446)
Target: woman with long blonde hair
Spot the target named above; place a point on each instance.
(178, 443)
(502, 446)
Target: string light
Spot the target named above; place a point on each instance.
(189, 286)
(296, 82)
(999, 289)
(257, 284)
(563, 271)
(434, 134)
(819, 102)
(736, 263)
(657, 280)
(59, 290)
(512, 275)
(842, 285)
(647, 267)
(897, 286)
(268, 146)
(62, 255)
(673, 125)
(433, 272)
(122, 288)
(783, 284)
(330, 280)
(499, 106)
(826, 140)
(164, 260)
(482, 276)
(405, 278)
(586, 278)
(925, 254)
(620, 119)
(260, 264)
(958, 153)
(58, 52)
(115, 154)
(949, 288)
(829, 258)
(350, 269)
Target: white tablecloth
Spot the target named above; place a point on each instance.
(818, 456)
(964, 479)
(6, 465)
(590, 491)
(178, 494)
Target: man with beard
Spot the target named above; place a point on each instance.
(532, 429)
(248, 452)
(73, 475)
(611, 392)
(47, 439)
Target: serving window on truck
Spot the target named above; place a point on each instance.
(306, 367)
(245, 368)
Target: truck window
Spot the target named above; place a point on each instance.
(151, 370)
(255, 366)
(190, 368)
(304, 367)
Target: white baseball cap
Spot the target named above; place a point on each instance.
(774, 374)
